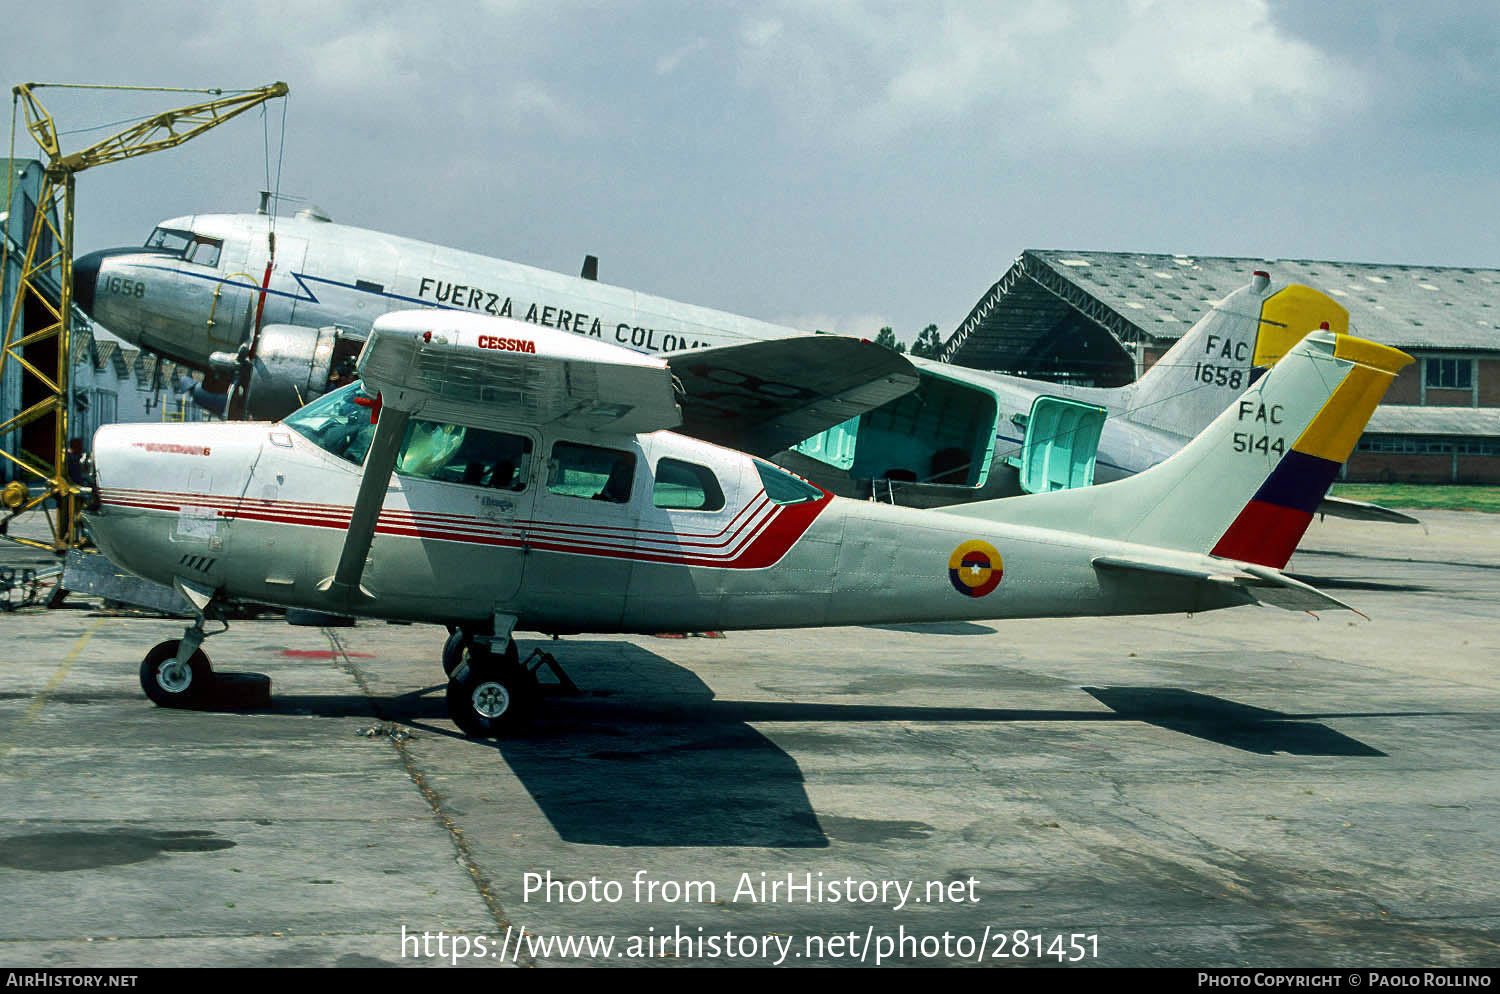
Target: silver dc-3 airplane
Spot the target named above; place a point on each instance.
(493, 475)
(284, 317)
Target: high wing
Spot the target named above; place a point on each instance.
(448, 366)
(762, 397)
(469, 367)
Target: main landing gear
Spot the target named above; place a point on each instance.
(494, 694)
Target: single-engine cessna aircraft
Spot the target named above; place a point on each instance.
(210, 292)
(493, 475)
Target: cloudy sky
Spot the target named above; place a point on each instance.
(840, 164)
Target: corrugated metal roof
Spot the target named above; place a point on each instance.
(1403, 419)
(1156, 298)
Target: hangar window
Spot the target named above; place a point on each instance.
(682, 486)
(784, 488)
(591, 472)
(1457, 374)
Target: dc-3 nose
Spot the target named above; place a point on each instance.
(87, 270)
(86, 279)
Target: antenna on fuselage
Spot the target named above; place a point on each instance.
(590, 267)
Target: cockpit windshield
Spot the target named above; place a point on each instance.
(187, 245)
(335, 423)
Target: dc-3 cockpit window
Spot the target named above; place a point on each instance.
(170, 239)
(475, 457)
(682, 486)
(335, 423)
(186, 245)
(784, 488)
(588, 471)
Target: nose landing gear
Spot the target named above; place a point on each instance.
(171, 682)
(176, 673)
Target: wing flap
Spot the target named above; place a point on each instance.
(762, 397)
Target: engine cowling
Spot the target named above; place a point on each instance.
(293, 364)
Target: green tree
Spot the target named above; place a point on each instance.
(928, 345)
(887, 337)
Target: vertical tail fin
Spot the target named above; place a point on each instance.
(1247, 486)
(1215, 361)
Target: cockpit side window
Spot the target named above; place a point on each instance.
(464, 454)
(170, 239)
(204, 251)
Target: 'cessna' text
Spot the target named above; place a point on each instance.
(507, 344)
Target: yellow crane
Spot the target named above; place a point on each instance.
(43, 353)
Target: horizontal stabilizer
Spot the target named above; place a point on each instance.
(1358, 510)
(762, 397)
(1265, 585)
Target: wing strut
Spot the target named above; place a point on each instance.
(344, 584)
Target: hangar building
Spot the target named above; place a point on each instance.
(109, 380)
(1103, 318)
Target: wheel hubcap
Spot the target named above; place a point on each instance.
(491, 699)
(174, 677)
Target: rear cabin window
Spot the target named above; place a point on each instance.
(683, 486)
(784, 488)
(475, 457)
(590, 472)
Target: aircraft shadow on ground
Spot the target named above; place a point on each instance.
(1230, 723)
(646, 756)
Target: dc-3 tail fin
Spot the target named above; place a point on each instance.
(1246, 488)
(1218, 358)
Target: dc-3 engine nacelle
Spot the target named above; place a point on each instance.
(292, 365)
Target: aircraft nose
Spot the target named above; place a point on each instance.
(85, 278)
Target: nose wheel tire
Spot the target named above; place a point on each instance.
(490, 696)
(170, 684)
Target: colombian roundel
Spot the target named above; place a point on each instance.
(975, 568)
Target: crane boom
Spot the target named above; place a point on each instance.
(43, 353)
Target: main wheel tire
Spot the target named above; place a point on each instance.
(453, 650)
(491, 696)
(172, 686)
